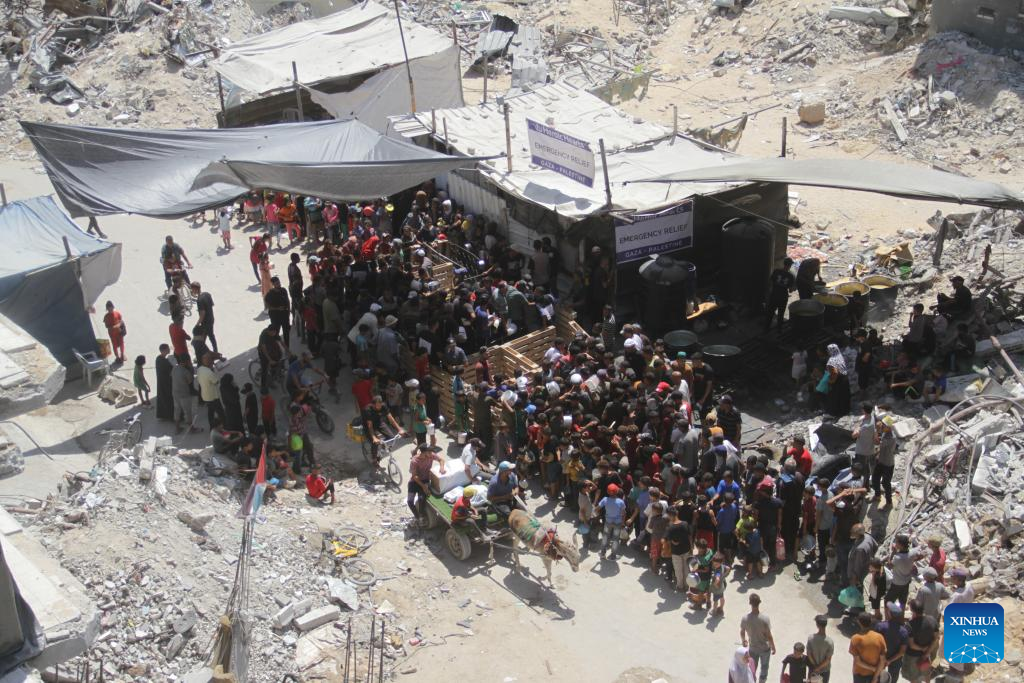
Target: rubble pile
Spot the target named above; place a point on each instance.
(175, 511)
(958, 104)
(967, 484)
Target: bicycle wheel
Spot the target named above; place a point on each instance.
(394, 472)
(352, 537)
(359, 572)
(255, 373)
(324, 421)
(133, 434)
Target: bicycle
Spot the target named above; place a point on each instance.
(276, 373)
(339, 549)
(323, 419)
(393, 471)
(125, 438)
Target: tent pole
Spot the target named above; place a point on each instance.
(508, 138)
(67, 246)
(447, 149)
(485, 80)
(220, 92)
(675, 123)
(298, 93)
(458, 51)
(405, 51)
(3, 194)
(607, 182)
(784, 131)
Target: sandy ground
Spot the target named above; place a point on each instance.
(598, 623)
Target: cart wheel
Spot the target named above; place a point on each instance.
(458, 545)
(394, 473)
(359, 572)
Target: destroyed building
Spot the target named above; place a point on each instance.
(999, 23)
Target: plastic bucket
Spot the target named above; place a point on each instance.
(807, 316)
(835, 308)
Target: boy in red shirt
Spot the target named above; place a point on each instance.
(319, 486)
(268, 412)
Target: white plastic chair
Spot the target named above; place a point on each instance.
(91, 363)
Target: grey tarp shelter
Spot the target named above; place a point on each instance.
(174, 173)
(912, 182)
(47, 287)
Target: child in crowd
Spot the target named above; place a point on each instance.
(878, 584)
(657, 525)
(268, 411)
(797, 664)
(719, 570)
(139, 380)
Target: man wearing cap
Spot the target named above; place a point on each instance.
(614, 508)
(730, 420)
(756, 635)
(958, 305)
(782, 283)
(962, 591)
(896, 634)
(931, 593)
(820, 649)
(503, 489)
(453, 354)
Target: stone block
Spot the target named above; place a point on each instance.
(963, 534)
(317, 617)
(812, 113)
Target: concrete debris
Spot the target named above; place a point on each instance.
(343, 593)
(317, 617)
(812, 113)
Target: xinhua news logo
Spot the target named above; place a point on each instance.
(972, 633)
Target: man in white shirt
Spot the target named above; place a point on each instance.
(471, 463)
(209, 390)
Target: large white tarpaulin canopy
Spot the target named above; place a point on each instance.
(386, 93)
(174, 173)
(359, 40)
(636, 149)
(913, 182)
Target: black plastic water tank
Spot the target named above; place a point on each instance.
(748, 253)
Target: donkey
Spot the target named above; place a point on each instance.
(528, 530)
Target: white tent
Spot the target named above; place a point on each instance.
(360, 40)
(636, 150)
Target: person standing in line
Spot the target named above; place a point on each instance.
(866, 435)
(179, 338)
(139, 380)
(209, 391)
(756, 634)
(277, 305)
(257, 247)
(868, 650)
(820, 649)
(116, 330)
(782, 283)
(885, 463)
(181, 389)
(164, 397)
(741, 669)
(250, 408)
(270, 217)
(204, 304)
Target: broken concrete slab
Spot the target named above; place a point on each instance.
(343, 593)
(904, 429)
(963, 533)
(862, 15)
(317, 617)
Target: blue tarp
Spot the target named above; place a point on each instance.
(42, 288)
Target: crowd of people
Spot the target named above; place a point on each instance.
(642, 444)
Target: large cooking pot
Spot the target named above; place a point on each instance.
(835, 309)
(681, 340)
(724, 358)
(807, 316)
(851, 287)
(882, 298)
